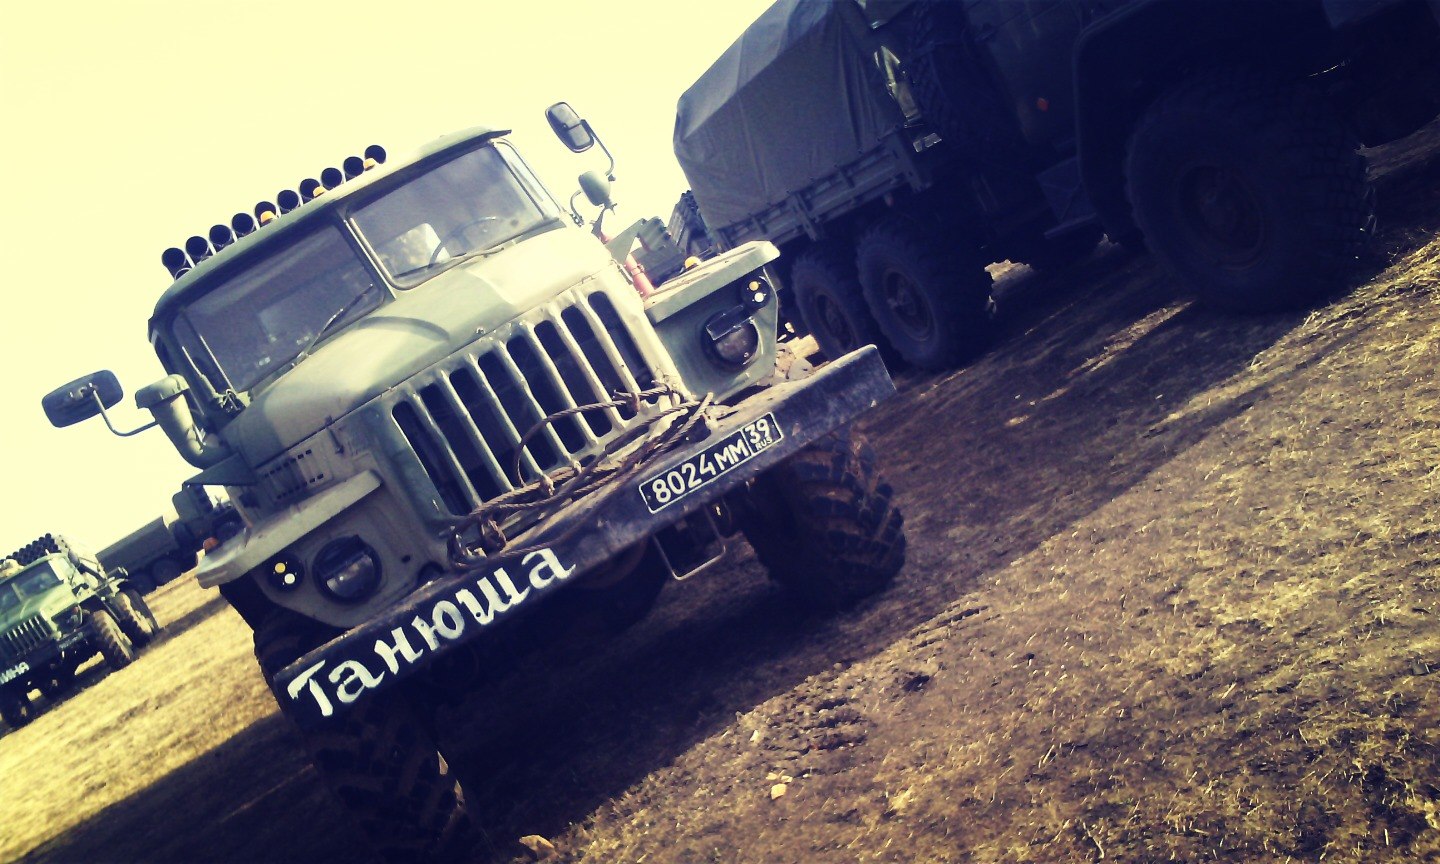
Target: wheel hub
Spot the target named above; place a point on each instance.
(907, 305)
(1221, 214)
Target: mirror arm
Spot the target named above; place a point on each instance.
(610, 171)
(106, 417)
(575, 211)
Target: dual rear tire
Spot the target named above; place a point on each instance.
(900, 288)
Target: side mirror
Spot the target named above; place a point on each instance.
(596, 187)
(570, 127)
(76, 401)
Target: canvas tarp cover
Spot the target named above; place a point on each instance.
(798, 95)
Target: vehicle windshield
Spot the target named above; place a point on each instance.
(258, 320)
(472, 203)
(33, 582)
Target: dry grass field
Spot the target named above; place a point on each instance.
(1173, 594)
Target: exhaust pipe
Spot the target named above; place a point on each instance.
(309, 189)
(198, 248)
(331, 177)
(375, 153)
(243, 224)
(176, 261)
(353, 166)
(221, 236)
(264, 212)
(288, 200)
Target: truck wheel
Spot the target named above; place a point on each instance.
(379, 759)
(15, 708)
(1250, 190)
(934, 309)
(57, 684)
(823, 523)
(165, 570)
(135, 617)
(830, 300)
(114, 645)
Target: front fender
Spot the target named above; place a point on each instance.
(251, 547)
(681, 307)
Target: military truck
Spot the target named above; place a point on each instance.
(894, 148)
(58, 608)
(454, 430)
(168, 545)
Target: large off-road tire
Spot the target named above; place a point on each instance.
(824, 523)
(135, 617)
(1250, 190)
(934, 308)
(114, 645)
(379, 759)
(826, 290)
(15, 707)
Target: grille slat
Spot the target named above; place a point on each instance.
(550, 370)
(610, 417)
(532, 407)
(512, 435)
(495, 474)
(24, 637)
(464, 419)
(443, 448)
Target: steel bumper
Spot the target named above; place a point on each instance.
(449, 612)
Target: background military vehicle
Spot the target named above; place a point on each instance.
(169, 545)
(454, 430)
(58, 608)
(894, 148)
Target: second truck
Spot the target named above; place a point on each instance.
(893, 149)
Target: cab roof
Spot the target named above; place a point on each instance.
(312, 213)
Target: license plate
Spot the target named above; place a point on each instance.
(711, 464)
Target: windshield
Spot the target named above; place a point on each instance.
(33, 582)
(469, 204)
(271, 312)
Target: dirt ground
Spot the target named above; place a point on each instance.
(1172, 594)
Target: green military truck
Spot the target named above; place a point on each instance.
(58, 608)
(454, 429)
(169, 545)
(894, 148)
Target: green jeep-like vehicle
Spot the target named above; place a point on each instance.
(59, 608)
(454, 430)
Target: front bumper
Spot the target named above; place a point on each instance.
(449, 612)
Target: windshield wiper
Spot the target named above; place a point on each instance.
(325, 328)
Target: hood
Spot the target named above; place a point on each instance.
(422, 326)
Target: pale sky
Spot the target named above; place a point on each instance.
(130, 126)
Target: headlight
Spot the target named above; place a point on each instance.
(347, 569)
(69, 618)
(732, 338)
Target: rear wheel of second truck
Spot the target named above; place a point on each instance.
(1250, 189)
(934, 308)
(831, 302)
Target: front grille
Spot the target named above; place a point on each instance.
(465, 418)
(24, 637)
